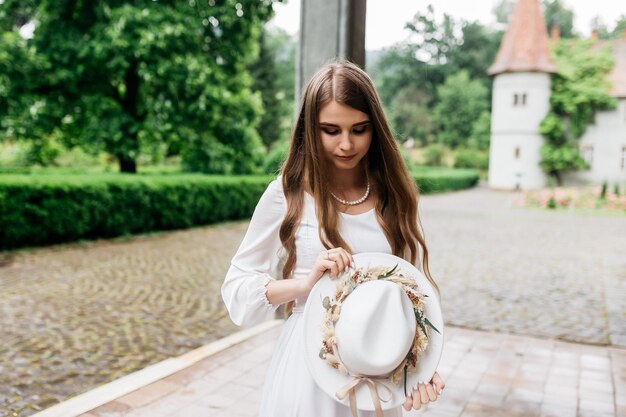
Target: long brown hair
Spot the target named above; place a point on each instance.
(397, 205)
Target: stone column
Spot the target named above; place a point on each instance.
(329, 29)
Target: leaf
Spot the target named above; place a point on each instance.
(405, 377)
(431, 325)
(388, 274)
(419, 321)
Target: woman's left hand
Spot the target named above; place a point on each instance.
(424, 393)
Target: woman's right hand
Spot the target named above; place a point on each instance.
(337, 260)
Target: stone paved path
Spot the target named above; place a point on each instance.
(487, 375)
(527, 271)
(75, 316)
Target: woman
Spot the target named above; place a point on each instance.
(343, 189)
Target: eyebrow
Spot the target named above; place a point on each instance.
(364, 122)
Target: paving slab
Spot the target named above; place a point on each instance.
(486, 374)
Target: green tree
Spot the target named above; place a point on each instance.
(476, 51)
(461, 102)
(420, 62)
(579, 90)
(618, 31)
(126, 74)
(556, 13)
(410, 116)
(503, 10)
(409, 74)
(273, 74)
(481, 132)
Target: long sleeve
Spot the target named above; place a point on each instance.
(244, 288)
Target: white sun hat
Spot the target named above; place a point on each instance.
(357, 345)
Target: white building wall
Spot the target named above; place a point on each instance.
(520, 101)
(603, 145)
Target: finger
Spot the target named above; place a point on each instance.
(430, 392)
(345, 255)
(408, 403)
(346, 258)
(339, 261)
(435, 390)
(331, 266)
(423, 394)
(439, 384)
(417, 402)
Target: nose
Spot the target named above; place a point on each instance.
(345, 143)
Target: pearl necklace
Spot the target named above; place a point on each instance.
(355, 202)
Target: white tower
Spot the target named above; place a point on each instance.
(520, 101)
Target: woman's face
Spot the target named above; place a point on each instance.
(346, 134)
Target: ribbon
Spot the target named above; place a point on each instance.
(350, 389)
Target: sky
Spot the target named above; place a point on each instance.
(386, 18)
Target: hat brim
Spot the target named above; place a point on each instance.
(331, 380)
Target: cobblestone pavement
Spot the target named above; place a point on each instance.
(75, 316)
(527, 271)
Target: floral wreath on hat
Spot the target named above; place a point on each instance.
(347, 283)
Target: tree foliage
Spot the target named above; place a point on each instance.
(273, 74)
(461, 102)
(434, 50)
(410, 74)
(123, 75)
(618, 31)
(410, 116)
(556, 13)
(579, 90)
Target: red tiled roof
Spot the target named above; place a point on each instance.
(524, 47)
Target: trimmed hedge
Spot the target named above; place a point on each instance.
(42, 210)
(37, 210)
(436, 180)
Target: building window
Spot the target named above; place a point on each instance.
(517, 152)
(587, 154)
(519, 99)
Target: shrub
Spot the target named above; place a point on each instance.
(275, 157)
(37, 210)
(47, 209)
(434, 154)
(471, 158)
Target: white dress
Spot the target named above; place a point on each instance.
(289, 389)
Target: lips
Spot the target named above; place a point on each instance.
(345, 158)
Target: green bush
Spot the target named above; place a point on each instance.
(471, 158)
(37, 210)
(53, 208)
(434, 154)
(434, 180)
(275, 157)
